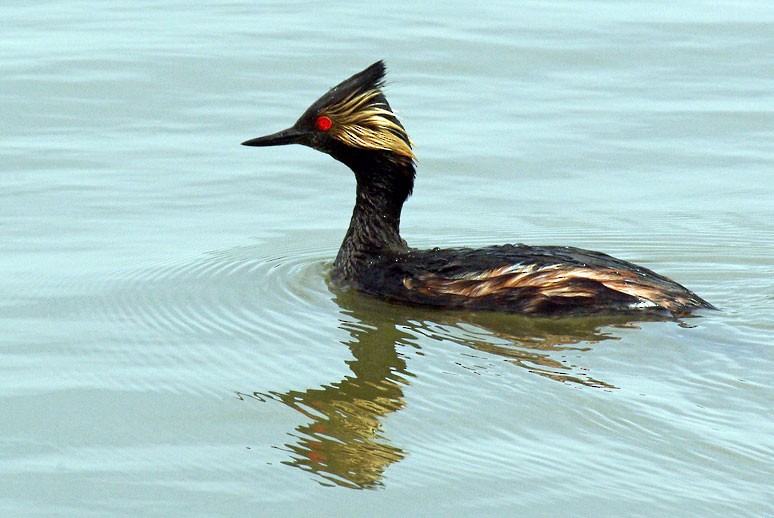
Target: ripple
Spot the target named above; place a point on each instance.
(232, 292)
(192, 325)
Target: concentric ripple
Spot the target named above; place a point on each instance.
(207, 323)
(229, 292)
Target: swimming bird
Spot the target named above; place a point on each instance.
(354, 123)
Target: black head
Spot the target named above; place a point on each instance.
(350, 120)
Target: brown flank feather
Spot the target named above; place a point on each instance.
(552, 281)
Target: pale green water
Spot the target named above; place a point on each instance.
(168, 343)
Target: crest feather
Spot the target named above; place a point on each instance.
(362, 118)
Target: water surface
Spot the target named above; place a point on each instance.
(169, 345)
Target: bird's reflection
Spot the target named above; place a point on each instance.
(342, 442)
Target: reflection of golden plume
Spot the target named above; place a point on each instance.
(342, 442)
(360, 122)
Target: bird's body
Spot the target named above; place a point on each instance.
(354, 123)
(545, 280)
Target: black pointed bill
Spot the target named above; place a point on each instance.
(281, 138)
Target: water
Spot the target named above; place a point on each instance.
(169, 345)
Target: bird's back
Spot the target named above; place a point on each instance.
(545, 280)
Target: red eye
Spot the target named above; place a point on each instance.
(323, 123)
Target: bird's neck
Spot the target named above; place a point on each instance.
(374, 230)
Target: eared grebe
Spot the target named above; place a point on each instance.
(354, 124)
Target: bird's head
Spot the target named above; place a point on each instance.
(350, 122)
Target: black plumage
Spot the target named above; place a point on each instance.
(353, 122)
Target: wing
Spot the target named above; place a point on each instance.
(534, 280)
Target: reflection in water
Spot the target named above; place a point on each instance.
(342, 442)
(539, 345)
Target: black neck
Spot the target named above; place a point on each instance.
(383, 185)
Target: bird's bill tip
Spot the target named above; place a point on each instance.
(288, 136)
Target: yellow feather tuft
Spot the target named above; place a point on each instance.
(360, 122)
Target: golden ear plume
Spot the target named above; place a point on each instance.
(360, 122)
